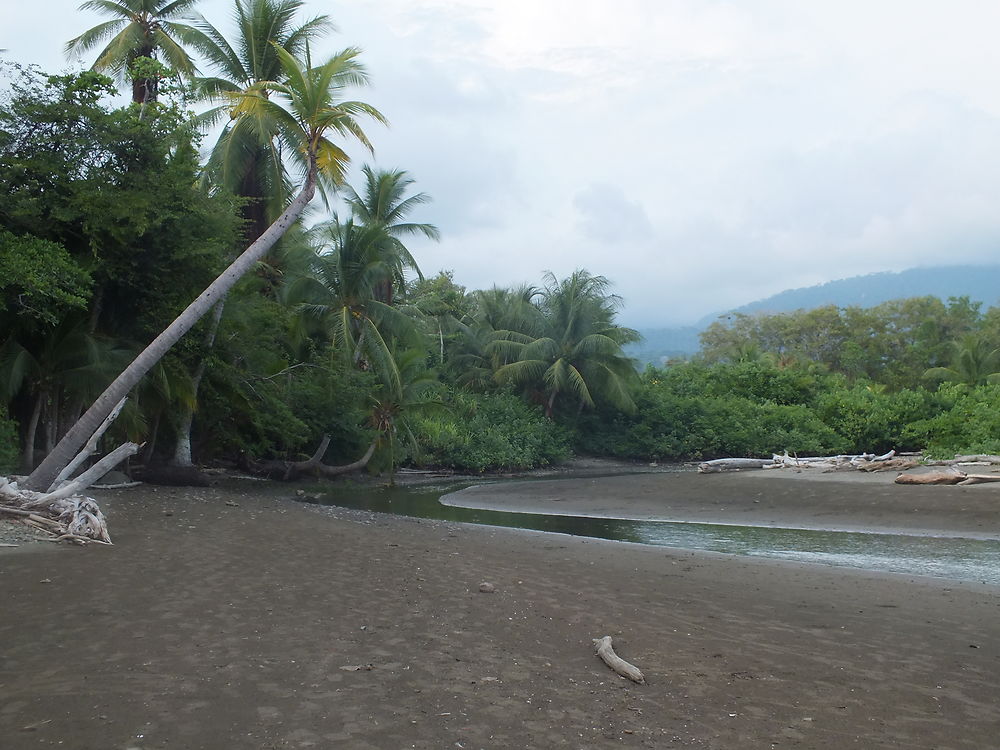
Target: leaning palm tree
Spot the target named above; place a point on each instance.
(244, 161)
(139, 29)
(579, 355)
(305, 108)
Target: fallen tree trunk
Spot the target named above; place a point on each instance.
(313, 466)
(932, 477)
(63, 512)
(619, 665)
(731, 464)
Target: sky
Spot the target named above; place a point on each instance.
(699, 154)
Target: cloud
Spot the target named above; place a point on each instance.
(699, 153)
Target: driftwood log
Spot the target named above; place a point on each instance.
(932, 477)
(947, 477)
(731, 464)
(619, 665)
(313, 466)
(862, 461)
(62, 511)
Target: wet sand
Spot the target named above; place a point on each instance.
(236, 618)
(848, 501)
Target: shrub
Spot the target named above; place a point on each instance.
(489, 432)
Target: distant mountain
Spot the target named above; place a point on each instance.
(979, 283)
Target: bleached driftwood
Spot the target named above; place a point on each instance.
(619, 665)
(63, 512)
(973, 460)
(863, 461)
(731, 464)
(90, 447)
(92, 474)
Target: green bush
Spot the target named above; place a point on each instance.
(489, 432)
(967, 421)
(870, 419)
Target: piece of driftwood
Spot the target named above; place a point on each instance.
(893, 464)
(613, 660)
(980, 479)
(731, 464)
(977, 459)
(932, 477)
(90, 448)
(313, 466)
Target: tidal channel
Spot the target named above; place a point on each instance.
(973, 560)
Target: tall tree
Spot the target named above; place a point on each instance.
(244, 160)
(139, 29)
(305, 108)
(340, 293)
(384, 204)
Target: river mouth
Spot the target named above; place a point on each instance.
(948, 557)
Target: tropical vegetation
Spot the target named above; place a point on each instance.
(112, 222)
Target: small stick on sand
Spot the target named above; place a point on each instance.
(619, 665)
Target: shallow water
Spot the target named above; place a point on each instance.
(974, 560)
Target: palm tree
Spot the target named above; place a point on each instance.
(384, 204)
(139, 29)
(340, 293)
(414, 392)
(975, 361)
(244, 161)
(579, 354)
(304, 108)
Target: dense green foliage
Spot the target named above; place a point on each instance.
(8, 443)
(110, 224)
(489, 432)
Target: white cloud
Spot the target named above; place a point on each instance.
(700, 153)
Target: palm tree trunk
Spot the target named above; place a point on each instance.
(28, 456)
(182, 451)
(42, 477)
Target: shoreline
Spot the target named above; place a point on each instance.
(853, 502)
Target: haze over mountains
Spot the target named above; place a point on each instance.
(979, 283)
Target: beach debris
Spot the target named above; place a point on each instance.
(313, 466)
(358, 667)
(617, 664)
(732, 464)
(487, 588)
(61, 511)
(953, 476)
(844, 462)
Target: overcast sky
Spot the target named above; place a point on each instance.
(699, 154)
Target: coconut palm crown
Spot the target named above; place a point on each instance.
(139, 29)
(241, 161)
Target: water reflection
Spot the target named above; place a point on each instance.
(962, 559)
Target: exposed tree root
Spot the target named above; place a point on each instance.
(313, 466)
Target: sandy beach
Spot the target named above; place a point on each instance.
(848, 501)
(234, 617)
